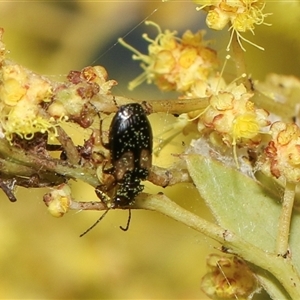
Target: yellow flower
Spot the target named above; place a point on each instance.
(228, 278)
(72, 100)
(234, 116)
(175, 63)
(21, 93)
(245, 127)
(24, 120)
(217, 19)
(241, 15)
(58, 200)
(12, 88)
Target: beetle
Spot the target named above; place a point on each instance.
(130, 145)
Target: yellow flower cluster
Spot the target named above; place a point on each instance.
(232, 115)
(30, 103)
(241, 15)
(283, 151)
(21, 94)
(173, 63)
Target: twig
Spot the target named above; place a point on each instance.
(239, 59)
(106, 104)
(285, 219)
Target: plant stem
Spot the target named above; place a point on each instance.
(40, 164)
(106, 103)
(264, 98)
(285, 219)
(239, 59)
(91, 205)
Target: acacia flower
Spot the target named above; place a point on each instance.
(283, 152)
(234, 117)
(21, 95)
(30, 103)
(72, 99)
(58, 200)
(241, 15)
(173, 63)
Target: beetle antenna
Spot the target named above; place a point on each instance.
(128, 221)
(90, 228)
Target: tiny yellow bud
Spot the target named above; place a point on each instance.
(58, 200)
(216, 19)
(245, 126)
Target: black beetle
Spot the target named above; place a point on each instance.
(130, 145)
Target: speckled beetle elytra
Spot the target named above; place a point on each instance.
(130, 146)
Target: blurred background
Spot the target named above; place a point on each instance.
(42, 257)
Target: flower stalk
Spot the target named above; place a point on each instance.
(284, 224)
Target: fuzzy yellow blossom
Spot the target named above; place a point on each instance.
(201, 89)
(99, 76)
(175, 63)
(21, 94)
(234, 117)
(26, 122)
(228, 278)
(283, 151)
(240, 15)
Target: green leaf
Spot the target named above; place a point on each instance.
(239, 203)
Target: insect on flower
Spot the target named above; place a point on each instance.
(130, 146)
